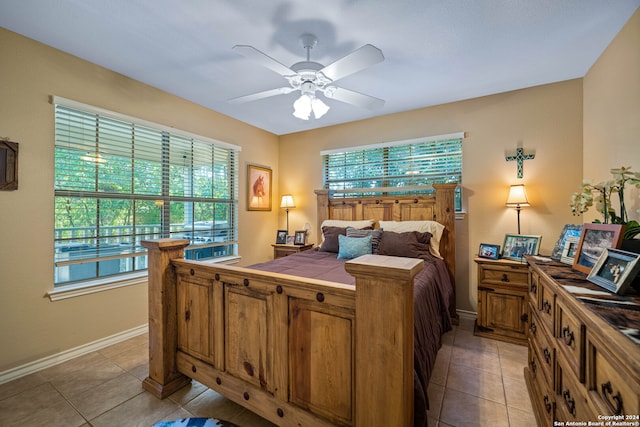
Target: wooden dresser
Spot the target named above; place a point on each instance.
(582, 367)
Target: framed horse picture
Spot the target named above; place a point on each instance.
(258, 188)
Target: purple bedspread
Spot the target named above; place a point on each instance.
(432, 294)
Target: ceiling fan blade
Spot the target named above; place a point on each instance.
(254, 54)
(261, 95)
(355, 98)
(357, 60)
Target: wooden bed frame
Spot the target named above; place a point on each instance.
(296, 351)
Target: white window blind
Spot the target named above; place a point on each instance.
(395, 168)
(120, 180)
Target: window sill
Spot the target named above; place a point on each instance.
(86, 288)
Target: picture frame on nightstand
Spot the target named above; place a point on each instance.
(489, 251)
(516, 246)
(281, 237)
(300, 238)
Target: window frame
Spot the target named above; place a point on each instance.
(229, 203)
(390, 168)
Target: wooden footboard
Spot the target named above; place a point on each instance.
(295, 351)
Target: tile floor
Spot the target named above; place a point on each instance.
(476, 382)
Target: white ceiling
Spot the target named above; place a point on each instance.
(436, 51)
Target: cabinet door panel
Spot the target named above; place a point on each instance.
(322, 358)
(249, 354)
(195, 322)
(505, 311)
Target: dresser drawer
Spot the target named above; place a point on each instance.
(546, 304)
(570, 337)
(533, 289)
(543, 346)
(542, 395)
(571, 399)
(501, 274)
(610, 388)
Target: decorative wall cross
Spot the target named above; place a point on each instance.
(520, 157)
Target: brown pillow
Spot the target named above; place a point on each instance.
(411, 244)
(331, 234)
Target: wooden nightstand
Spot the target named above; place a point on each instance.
(503, 287)
(280, 251)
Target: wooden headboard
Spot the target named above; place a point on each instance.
(439, 207)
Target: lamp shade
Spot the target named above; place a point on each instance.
(287, 201)
(517, 197)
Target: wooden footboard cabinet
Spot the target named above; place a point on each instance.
(298, 352)
(581, 368)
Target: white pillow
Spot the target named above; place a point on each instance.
(435, 228)
(344, 224)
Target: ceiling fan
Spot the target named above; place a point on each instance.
(310, 77)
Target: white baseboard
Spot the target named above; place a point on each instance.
(46, 362)
(471, 315)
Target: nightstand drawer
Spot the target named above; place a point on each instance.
(504, 275)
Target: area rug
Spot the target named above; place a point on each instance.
(195, 422)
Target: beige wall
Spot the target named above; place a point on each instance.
(612, 112)
(546, 120)
(31, 326)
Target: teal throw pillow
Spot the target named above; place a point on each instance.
(353, 247)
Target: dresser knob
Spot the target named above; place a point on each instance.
(546, 307)
(533, 328)
(547, 404)
(567, 336)
(607, 390)
(569, 401)
(547, 356)
(505, 277)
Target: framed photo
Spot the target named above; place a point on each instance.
(516, 246)
(594, 239)
(8, 165)
(291, 240)
(300, 238)
(489, 251)
(258, 188)
(569, 250)
(281, 237)
(569, 230)
(615, 270)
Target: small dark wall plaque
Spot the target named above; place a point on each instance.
(8, 165)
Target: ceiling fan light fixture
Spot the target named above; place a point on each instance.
(319, 107)
(304, 105)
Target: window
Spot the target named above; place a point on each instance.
(120, 180)
(399, 167)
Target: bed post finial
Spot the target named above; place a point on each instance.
(164, 378)
(323, 210)
(385, 377)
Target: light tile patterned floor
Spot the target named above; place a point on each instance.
(476, 382)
